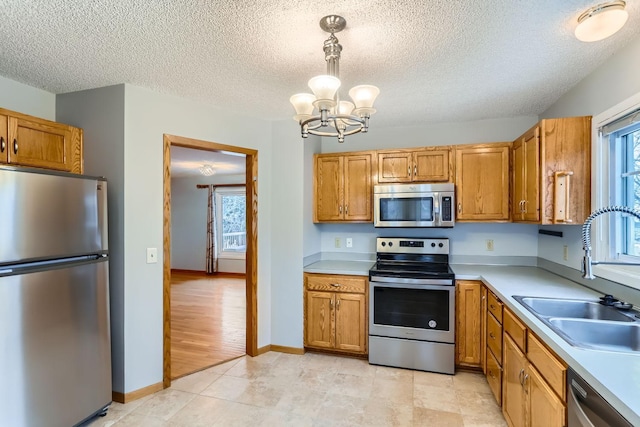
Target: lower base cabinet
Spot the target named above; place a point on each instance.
(335, 313)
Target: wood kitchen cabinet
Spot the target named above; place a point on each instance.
(343, 187)
(551, 180)
(534, 385)
(429, 164)
(482, 182)
(335, 313)
(30, 141)
(468, 323)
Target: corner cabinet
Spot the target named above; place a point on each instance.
(343, 187)
(482, 182)
(335, 312)
(34, 142)
(429, 164)
(468, 323)
(551, 182)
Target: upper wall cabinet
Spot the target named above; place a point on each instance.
(482, 182)
(551, 181)
(429, 164)
(342, 187)
(30, 141)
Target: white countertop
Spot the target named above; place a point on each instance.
(616, 376)
(351, 268)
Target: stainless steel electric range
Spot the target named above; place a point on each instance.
(412, 305)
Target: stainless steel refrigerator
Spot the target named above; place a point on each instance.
(55, 354)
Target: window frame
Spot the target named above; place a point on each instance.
(219, 193)
(603, 227)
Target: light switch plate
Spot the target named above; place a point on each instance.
(152, 255)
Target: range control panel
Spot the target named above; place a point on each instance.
(412, 246)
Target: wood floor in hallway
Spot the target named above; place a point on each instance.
(208, 321)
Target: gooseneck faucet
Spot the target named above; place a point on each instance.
(587, 273)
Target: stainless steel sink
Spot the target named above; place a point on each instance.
(587, 324)
(613, 336)
(577, 309)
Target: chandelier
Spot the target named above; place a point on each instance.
(333, 117)
(207, 169)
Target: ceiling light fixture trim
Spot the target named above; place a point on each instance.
(207, 169)
(601, 21)
(346, 118)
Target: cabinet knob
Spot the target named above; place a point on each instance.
(338, 305)
(15, 146)
(3, 145)
(336, 285)
(493, 337)
(346, 209)
(415, 170)
(340, 209)
(459, 207)
(409, 171)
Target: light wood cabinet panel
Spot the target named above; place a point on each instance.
(551, 181)
(494, 305)
(494, 337)
(319, 319)
(468, 323)
(514, 365)
(492, 341)
(483, 329)
(515, 329)
(4, 135)
(343, 188)
(545, 408)
(553, 370)
(350, 318)
(494, 377)
(335, 319)
(428, 164)
(482, 182)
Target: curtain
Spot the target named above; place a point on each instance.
(212, 253)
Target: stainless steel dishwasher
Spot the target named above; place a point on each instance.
(586, 408)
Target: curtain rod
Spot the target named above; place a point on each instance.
(202, 186)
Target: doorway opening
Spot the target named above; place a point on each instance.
(231, 242)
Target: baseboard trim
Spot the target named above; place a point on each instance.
(263, 350)
(116, 396)
(289, 350)
(181, 271)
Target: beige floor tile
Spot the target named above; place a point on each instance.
(471, 381)
(140, 420)
(342, 409)
(275, 418)
(388, 373)
(250, 368)
(227, 388)
(163, 404)
(351, 385)
(195, 383)
(484, 420)
(436, 398)
(380, 413)
(476, 403)
(260, 394)
(433, 418)
(323, 362)
(200, 412)
(318, 380)
(433, 379)
(396, 391)
(240, 415)
(224, 367)
(302, 402)
(356, 367)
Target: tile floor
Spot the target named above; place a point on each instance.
(277, 389)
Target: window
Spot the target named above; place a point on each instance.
(231, 224)
(616, 237)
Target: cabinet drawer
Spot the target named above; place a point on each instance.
(338, 283)
(494, 306)
(494, 377)
(515, 329)
(494, 337)
(552, 369)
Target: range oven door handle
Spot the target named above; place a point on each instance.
(400, 280)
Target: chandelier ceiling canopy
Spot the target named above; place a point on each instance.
(323, 113)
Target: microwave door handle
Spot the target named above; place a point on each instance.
(436, 209)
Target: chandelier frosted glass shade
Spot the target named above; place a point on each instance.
(207, 170)
(601, 21)
(323, 113)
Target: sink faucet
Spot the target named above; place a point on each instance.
(586, 238)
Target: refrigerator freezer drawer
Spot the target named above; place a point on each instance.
(56, 353)
(48, 216)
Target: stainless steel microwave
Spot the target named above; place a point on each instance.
(414, 205)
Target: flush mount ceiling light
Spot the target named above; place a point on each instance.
(207, 170)
(601, 21)
(333, 117)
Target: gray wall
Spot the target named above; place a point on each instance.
(189, 224)
(26, 99)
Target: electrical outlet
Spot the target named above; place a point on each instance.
(489, 244)
(349, 242)
(565, 253)
(152, 255)
(337, 242)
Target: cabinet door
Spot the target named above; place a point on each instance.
(328, 188)
(320, 322)
(517, 198)
(514, 365)
(351, 322)
(431, 165)
(545, 408)
(395, 167)
(4, 137)
(357, 188)
(468, 322)
(40, 144)
(482, 182)
(532, 176)
(483, 330)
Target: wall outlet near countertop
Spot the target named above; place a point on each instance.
(337, 242)
(349, 242)
(489, 244)
(152, 255)
(565, 253)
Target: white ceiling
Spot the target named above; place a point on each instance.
(434, 61)
(187, 162)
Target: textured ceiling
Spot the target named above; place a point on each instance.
(433, 60)
(187, 162)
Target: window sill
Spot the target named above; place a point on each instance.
(624, 274)
(232, 255)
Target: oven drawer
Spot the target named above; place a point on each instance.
(494, 337)
(336, 283)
